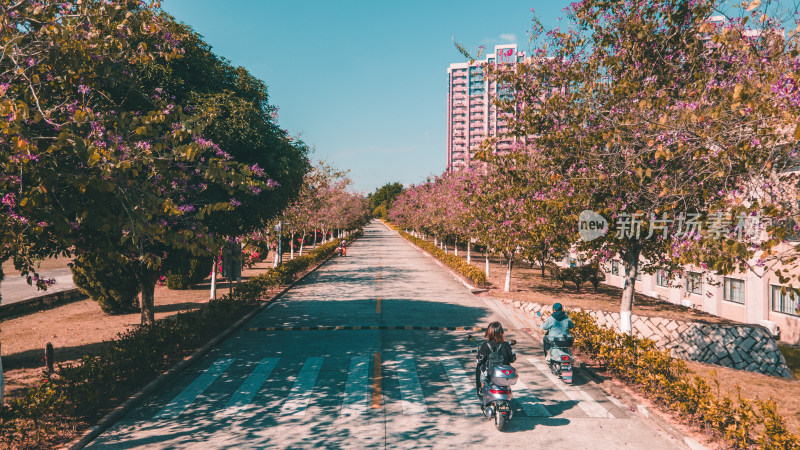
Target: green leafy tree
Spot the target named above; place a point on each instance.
(381, 201)
(111, 283)
(106, 163)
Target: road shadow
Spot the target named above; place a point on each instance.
(32, 359)
(345, 298)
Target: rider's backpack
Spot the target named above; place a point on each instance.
(495, 357)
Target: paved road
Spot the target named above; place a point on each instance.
(15, 288)
(275, 384)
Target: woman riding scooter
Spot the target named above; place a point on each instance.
(556, 326)
(494, 340)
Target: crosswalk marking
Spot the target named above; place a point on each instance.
(410, 387)
(585, 402)
(530, 403)
(303, 387)
(364, 327)
(465, 389)
(250, 387)
(615, 401)
(357, 389)
(178, 405)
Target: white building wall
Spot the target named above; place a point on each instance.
(757, 308)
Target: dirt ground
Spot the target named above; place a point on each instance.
(527, 284)
(79, 328)
(47, 264)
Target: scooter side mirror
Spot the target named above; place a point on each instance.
(513, 342)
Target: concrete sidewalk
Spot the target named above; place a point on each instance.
(14, 288)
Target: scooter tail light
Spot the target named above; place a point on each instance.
(500, 391)
(564, 358)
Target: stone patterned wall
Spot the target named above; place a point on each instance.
(743, 347)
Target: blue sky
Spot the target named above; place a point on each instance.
(364, 82)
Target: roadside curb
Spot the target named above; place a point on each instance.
(634, 405)
(41, 302)
(619, 393)
(456, 275)
(132, 402)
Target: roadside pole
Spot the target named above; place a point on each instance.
(2, 380)
(213, 295)
(278, 254)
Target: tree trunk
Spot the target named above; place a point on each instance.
(147, 282)
(435, 241)
(631, 262)
(444, 247)
(487, 263)
(315, 239)
(507, 286)
(469, 255)
(455, 248)
(542, 258)
(302, 243)
(291, 247)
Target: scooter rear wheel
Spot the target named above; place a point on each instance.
(500, 421)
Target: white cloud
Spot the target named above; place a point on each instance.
(509, 37)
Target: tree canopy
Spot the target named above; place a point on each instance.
(125, 137)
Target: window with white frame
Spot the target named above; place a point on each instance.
(694, 283)
(733, 290)
(784, 302)
(614, 267)
(662, 278)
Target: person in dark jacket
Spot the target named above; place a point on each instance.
(556, 326)
(494, 339)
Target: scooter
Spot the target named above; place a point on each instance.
(560, 358)
(496, 393)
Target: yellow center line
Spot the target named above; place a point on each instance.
(378, 306)
(376, 381)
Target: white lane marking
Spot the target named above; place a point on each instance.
(692, 444)
(250, 387)
(300, 395)
(357, 389)
(530, 403)
(178, 405)
(615, 401)
(584, 400)
(465, 389)
(410, 387)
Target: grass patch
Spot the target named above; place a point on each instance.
(792, 355)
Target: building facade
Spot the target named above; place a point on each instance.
(471, 115)
(746, 297)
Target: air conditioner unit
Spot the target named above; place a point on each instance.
(687, 303)
(773, 328)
